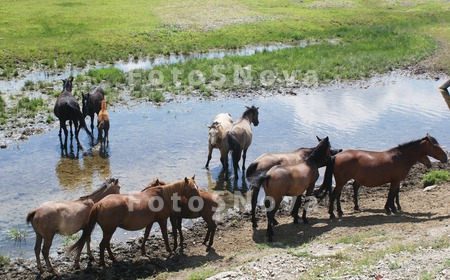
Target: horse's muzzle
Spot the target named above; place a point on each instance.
(445, 160)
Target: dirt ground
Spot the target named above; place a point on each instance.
(239, 249)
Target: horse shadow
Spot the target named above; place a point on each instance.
(290, 234)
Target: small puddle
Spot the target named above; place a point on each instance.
(170, 142)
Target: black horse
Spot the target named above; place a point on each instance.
(92, 103)
(67, 108)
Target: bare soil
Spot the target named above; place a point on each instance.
(413, 244)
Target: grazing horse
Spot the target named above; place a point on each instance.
(103, 124)
(67, 108)
(292, 180)
(372, 169)
(206, 208)
(134, 212)
(65, 218)
(217, 138)
(240, 137)
(266, 161)
(92, 103)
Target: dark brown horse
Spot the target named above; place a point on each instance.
(372, 169)
(67, 109)
(240, 137)
(92, 103)
(266, 161)
(134, 212)
(292, 180)
(65, 218)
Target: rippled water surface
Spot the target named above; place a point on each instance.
(170, 142)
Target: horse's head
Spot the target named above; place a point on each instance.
(84, 103)
(322, 152)
(191, 188)
(67, 84)
(433, 149)
(113, 186)
(333, 151)
(252, 113)
(214, 134)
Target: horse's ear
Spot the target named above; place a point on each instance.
(318, 138)
(208, 126)
(193, 177)
(186, 180)
(247, 107)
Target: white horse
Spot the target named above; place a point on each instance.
(217, 138)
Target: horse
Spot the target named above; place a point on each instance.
(67, 108)
(206, 208)
(103, 123)
(217, 138)
(134, 212)
(292, 180)
(240, 137)
(208, 205)
(374, 168)
(65, 218)
(266, 161)
(92, 103)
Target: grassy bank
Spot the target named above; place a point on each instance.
(53, 34)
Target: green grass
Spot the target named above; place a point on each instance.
(435, 177)
(202, 274)
(18, 235)
(4, 260)
(54, 34)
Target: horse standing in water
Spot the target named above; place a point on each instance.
(67, 108)
(134, 212)
(92, 103)
(372, 169)
(103, 124)
(65, 218)
(240, 137)
(217, 138)
(292, 180)
(266, 161)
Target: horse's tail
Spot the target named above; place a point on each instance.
(101, 124)
(327, 180)
(30, 216)
(263, 179)
(87, 231)
(233, 145)
(80, 117)
(251, 169)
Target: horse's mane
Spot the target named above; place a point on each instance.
(102, 188)
(249, 109)
(415, 142)
(318, 151)
(169, 189)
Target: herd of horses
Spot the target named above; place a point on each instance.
(280, 174)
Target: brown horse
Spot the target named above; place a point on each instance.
(92, 103)
(372, 169)
(240, 137)
(65, 218)
(217, 138)
(67, 108)
(207, 206)
(292, 180)
(134, 212)
(266, 161)
(103, 124)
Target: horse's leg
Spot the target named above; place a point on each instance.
(105, 244)
(397, 199)
(390, 200)
(46, 251)
(211, 231)
(70, 126)
(37, 252)
(335, 195)
(210, 149)
(255, 193)
(146, 233)
(163, 225)
(224, 158)
(236, 158)
(244, 156)
(88, 247)
(179, 228)
(295, 208)
(92, 123)
(77, 131)
(173, 222)
(356, 187)
(63, 125)
(270, 217)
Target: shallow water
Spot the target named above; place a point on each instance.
(170, 142)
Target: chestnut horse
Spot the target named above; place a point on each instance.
(207, 206)
(67, 108)
(134, 212)
(92, 103)
(266, 161)
(103, 124)
(292, 180)
(217, 138)
(372, 169)
(240, 137)
(65, 218)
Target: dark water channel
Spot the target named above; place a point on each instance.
(170, 142)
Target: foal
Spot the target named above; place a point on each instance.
(65, 218)
(103, 123)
